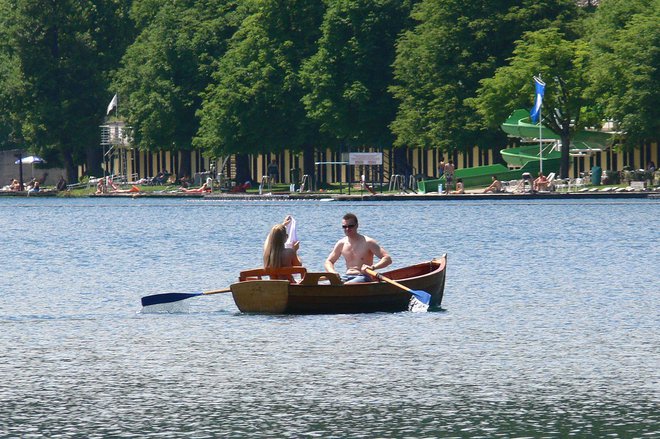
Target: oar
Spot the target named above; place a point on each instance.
(155, 299)
(422, 296)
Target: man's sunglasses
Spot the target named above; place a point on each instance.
(348, 226)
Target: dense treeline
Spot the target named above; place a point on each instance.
(247, 76)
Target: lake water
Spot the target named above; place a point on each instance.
(550, 324)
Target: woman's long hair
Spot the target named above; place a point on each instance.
(274, 246)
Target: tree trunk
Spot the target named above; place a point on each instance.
(401, 165)
(185, 167)
(94, 160)
(242, 168)
(71, 169)
(309, 167)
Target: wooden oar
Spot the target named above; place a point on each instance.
(156, 299)
(422, 296)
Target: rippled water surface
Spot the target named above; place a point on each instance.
(550, 323)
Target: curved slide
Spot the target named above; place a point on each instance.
(526, 158)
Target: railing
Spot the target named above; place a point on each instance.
(304, 183)
(265, 183)
(396, 182)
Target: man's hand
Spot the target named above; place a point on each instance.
(366, 267)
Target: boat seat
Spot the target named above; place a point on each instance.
(272, 273)
(314, 278)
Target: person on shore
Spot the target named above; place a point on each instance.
(101, 187)
(276, 253)
(441, 168)
(61, 184)
(460, 189)
(203, 188)
(541, 183)
(15, 186)
(36, 187)
(273, 171)
(449, 174)
(495, 187)
(358, 252)
(161, 177)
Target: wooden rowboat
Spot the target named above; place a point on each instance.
(271, 291)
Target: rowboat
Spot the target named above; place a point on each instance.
(278, 291)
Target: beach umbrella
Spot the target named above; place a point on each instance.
(30, 160)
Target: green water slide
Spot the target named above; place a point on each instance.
(520, 125)
(526, 158)
(481, 175)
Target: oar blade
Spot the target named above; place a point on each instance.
(166, 298)
(422, 296)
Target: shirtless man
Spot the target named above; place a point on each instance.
(358, 251)
(449, 173)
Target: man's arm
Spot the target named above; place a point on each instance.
(333, 257)
(384, 258)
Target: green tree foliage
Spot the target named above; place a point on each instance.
(563, 66)
(625, 66)
(254, 104)
(59, 53)
(167, 67)
(11, 84)
(348, 78)
(440, 62)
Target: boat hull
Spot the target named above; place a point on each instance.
(315, 294)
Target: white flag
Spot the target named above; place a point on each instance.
(112, 104)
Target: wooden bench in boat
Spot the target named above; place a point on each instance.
(288, 273)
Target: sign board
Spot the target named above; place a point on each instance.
(365, 158)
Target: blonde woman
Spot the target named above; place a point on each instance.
(276, 254)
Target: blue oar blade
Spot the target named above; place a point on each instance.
(422, 296)
(166, 298)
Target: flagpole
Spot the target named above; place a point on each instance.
(541, 139)
(539, 85)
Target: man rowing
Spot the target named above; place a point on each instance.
(358, 252)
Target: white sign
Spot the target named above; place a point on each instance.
(365, 158)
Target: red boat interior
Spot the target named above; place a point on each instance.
(412, 271)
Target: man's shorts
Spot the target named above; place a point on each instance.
(356, 278)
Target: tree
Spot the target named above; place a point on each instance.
(440, 62)
(254, 103)
(562, 64)
(347, 79)
(167, 67)
(625, 83)
(59, 54)
(11, 84)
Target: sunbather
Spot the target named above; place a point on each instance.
(101, 188)
(541, 183)
(460, 189)
(241, 187)
(495, 186)
(203, 188)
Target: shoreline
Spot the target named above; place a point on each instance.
(285, 196)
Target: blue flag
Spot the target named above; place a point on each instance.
(540, 90)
